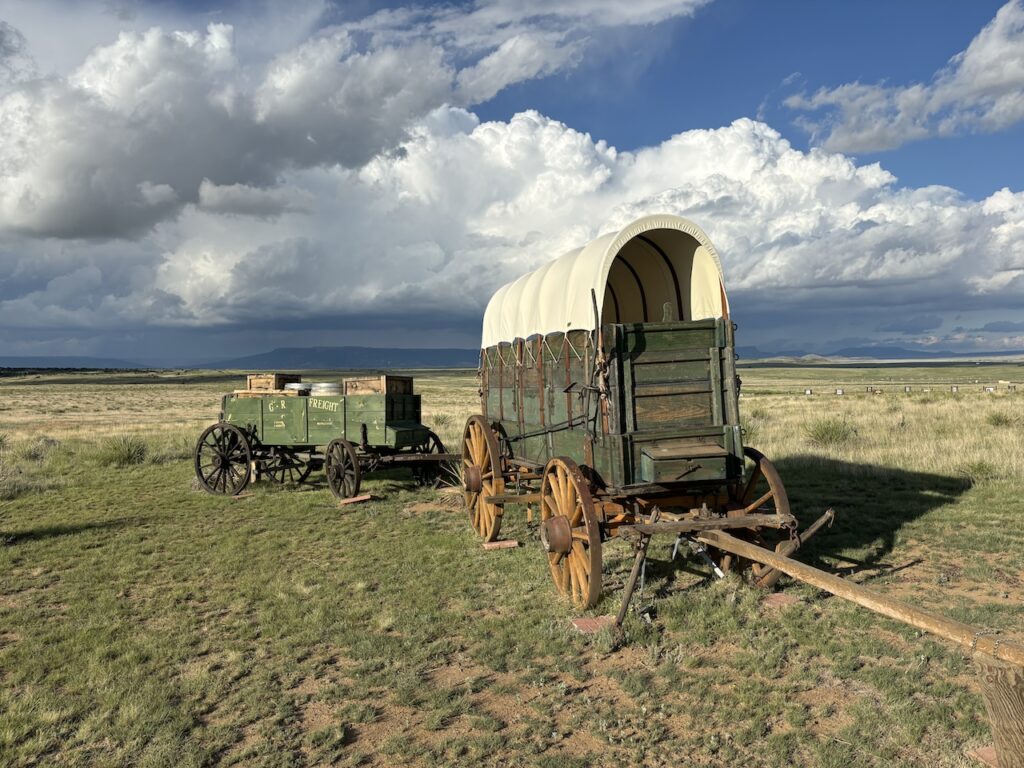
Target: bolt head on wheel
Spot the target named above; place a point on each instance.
(556, 535)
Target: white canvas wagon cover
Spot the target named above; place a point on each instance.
(658, 268)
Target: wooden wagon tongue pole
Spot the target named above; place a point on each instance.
(1002, 683)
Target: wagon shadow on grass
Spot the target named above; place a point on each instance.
(872, 504)
(13, 537)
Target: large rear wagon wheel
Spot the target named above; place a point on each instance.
(223, 460)
(341, 465)
(482, 477)
(570, 533)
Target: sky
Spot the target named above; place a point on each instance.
(192, 181)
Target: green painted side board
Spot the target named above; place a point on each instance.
(672, 395)
(391, 420)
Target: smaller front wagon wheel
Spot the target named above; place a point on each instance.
(342, 468)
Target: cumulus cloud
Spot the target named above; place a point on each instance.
(981, 89)
(466, 206)
(124, 140)
(177, 180)
(242, 200)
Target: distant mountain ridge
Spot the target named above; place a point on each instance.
(326, 358)
(361, 358)
(65, 361)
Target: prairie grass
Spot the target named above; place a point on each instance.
(145, 623)
(122, 451)
(829, 432)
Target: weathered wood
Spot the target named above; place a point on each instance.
(355, 499)
(378, 385)
(969, 637)
(709, 524)
(1002, 687)
(513, 498)
(270, 381)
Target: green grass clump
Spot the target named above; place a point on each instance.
(1000, 419)
(36, 450)
(830, 432)
(978, 471)
(122, 451)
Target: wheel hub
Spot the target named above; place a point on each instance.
(472, 477)
(556, 535)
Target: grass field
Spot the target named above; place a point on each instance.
(143, 622)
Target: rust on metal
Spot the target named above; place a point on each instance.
(556, 535)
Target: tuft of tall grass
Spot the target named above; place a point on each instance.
(124, 450)
(1000, 419)
(830, 432)
(978, 471)
(37, 449)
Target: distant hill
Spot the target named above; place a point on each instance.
(901, 353)
(321, 358)
(64, 361)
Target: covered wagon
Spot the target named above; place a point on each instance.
(610, 405)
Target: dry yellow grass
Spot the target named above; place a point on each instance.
(147, 623)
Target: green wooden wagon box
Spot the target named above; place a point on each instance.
(286, 432)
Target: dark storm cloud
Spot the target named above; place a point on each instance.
(911, 325)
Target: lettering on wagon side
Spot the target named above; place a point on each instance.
(323, 405)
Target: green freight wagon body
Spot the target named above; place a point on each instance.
(378, 420)
(286, 434)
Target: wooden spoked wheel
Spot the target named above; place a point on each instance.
(341, 465)
(285, 466)
(763, 493)
(482, 477)
(428, 473)
(223, 460)
(570, 533)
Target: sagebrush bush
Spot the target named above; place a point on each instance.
(36, 449)
(978, 471)
(441, 420)
(999, 419)
(123, 451)
(830, 433)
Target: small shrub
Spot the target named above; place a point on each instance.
(830, 432)
(978, 471)
(123, 451)
(999, 419)
(3, 442)
(37, 449)
(441, 420)
(751, 428)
